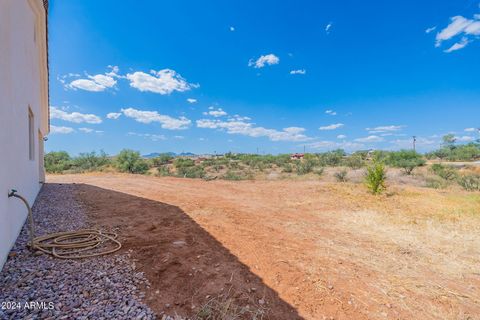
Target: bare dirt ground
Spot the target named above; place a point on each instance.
(295, 249)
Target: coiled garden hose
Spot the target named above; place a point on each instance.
(70, 244)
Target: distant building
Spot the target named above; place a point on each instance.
(297, 156)
(23, 110)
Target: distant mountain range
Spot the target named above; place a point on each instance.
(172, 154)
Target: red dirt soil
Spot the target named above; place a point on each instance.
(291, 249)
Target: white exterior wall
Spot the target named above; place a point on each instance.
(23, 85)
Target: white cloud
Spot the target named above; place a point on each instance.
(459, 25)
(371, 139)
(232, 29)
(75, 117)
(299, 71)
(179, 137)
(114, 115)
(328, 27)
(428, 30)
(332, 126)
(458, 45)
(341, 136)
(165, 121)
(346, 145)
(465, 138)
(233, 126)
(215, 113)
(269, 59)
(86, 130)
(191, 100)
(470, 130)
(163, 82)
(408, 143)
(331, 112)
(382, 129)
(153, 137)
(60, 130)
(95, 83)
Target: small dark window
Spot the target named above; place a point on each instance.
(31, 135)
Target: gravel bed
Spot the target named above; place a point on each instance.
(43, 287)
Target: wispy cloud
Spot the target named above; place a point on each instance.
(328, 145)
(470, 129)
(242, 127)
(191, 100)
(165, 121)
(94, 83)
(299, 71)
(428, 30)
(215, 112)
(341, 136)
(76, 117)
(332, 126)
(153, 137)
(459, 25)
(370, 139)
(89, 130)
(331, 112)
(269, 59)
(382, 129)
(60, 130)
(328, 27)
(163, 82)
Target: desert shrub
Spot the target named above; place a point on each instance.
(405, 159)
(183, 163)
(436, 183)
(163, 171)
(287, 168)
(341, 176)
(236, 175)
(354, 161)
(319, 171)
(470, 182)
(305, 166)
(380, 155)
(375, 176)
(130, 161)
(57, 161)
(91, 161)
(448, 173)
(332, 158)
(191, 172)
(162, 159)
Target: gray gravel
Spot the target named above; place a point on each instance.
(104, 287)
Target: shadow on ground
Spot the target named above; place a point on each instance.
(191, 273)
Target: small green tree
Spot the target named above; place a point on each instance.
(57, 161)
(449, 141)
(162, 159)
(376, 176)
(90, 161)
(405, 159)
(130, 161)
(354, 161)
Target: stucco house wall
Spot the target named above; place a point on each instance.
(23, 110)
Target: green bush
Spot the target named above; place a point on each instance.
(305, 166)
(57, 161)
(405, 159)
(162, 159)
(448, 173)
(191, 172)
(341, 176)
(354, 161)
(183, 163)
(332, 158)
(470, 182)
(287, 168)
(163, 171)
(130, 161)
(235, 175)
(436, 183)
(376, 176)
(90, 161)
(318, 171)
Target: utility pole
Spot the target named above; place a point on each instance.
(414, 140)
(257, 150)
(304, 149)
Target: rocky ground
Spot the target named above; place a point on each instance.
(43, 287)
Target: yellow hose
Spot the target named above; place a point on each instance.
(70, 244)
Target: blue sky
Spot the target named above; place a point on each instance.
(218, 76)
